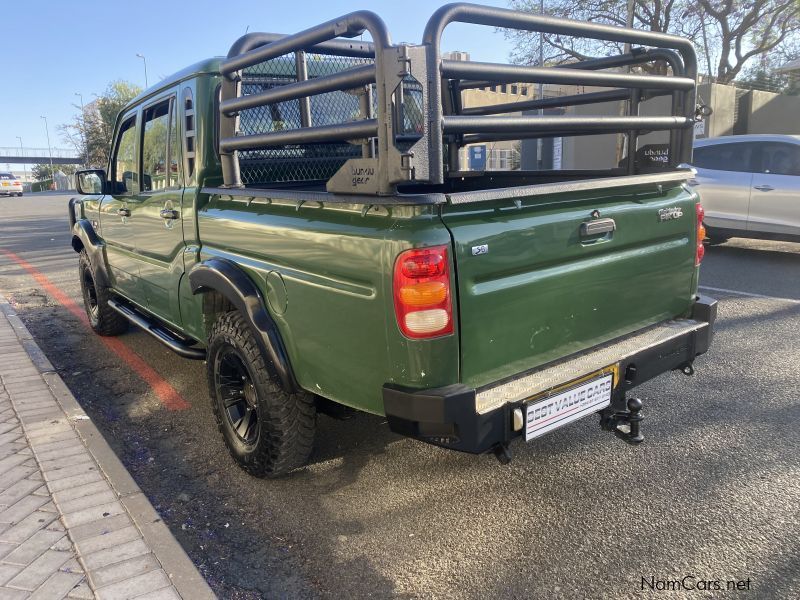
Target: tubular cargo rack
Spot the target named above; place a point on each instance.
(402, 120)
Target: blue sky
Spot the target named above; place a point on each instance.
(53, 48)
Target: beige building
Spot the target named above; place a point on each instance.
(506, 155)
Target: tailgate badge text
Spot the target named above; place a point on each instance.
(667, 214)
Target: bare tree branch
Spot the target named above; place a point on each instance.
(736, 31)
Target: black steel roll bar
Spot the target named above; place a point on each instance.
(505, 18)
(312, 135)
(635, 57)
(384, 165)
(337, 47)
(351, 78)
(558, 102)
(251, 50)
(457, 69)
(350, 25)
(532, 124)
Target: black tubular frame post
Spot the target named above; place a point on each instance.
(501, 17)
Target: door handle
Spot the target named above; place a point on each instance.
(764, 188)
(168, 213)
(124, 212)
(597, 227)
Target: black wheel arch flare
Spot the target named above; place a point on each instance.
(84, 237)
(226, 278)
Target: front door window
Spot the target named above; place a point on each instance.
(125, 175)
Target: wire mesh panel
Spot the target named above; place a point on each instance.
(410, 116)
(297, 162)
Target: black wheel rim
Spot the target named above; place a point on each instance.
(90, 294)
(237, 395)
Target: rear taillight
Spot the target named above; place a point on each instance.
(422, 299)
(701, 235)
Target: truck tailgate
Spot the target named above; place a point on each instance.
(532, 288)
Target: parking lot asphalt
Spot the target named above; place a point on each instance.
(712, 494)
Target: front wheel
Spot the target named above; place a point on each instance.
(102, 318)
(268, 431)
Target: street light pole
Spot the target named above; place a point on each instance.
(50, 151)
(22, 153)
(144, 60)
(83, 131)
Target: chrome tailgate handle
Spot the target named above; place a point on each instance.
(597, 227)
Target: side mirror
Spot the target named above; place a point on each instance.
(90, 181)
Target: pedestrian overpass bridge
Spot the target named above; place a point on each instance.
(37, 156)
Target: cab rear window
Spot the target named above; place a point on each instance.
(6, 176)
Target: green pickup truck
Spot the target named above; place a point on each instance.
(300, 216)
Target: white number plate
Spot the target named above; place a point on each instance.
(567, 406)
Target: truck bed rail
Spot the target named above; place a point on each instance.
(410, 122)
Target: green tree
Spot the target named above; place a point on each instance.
(90, 133)
(765, 76)
(43, 172)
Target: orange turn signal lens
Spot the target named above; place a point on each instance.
(428, 293)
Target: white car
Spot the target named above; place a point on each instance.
(10, 185)
(749, 186)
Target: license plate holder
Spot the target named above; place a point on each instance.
(567, 404)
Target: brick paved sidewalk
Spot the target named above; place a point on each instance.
(72, 522)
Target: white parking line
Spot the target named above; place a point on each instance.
(748, 294)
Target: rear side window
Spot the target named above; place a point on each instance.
(126, 173)
(780, 159)
(155, 130)
(726, 157)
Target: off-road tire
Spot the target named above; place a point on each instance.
(285, 422)
(103, 319)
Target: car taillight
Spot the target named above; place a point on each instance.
(701, 235)
(422, 299)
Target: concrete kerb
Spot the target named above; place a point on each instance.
(174, 560)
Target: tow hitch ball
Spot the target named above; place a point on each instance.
(626, 424)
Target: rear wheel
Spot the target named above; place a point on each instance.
(267, 431)
(103, 319)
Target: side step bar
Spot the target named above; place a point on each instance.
(178, 345)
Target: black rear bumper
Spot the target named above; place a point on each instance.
(447, 417)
